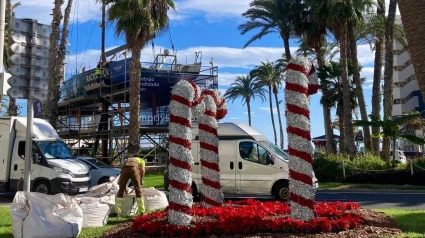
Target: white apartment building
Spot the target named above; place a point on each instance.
(406, 93)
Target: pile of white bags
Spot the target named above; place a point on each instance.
(97, 204)
(36, 215)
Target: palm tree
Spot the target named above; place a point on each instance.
(56, 59)
(271, 16)
(359, 8)
(246, 88)
(390, 129)
(139, 22)
(269, 76)
(12, 109)
(388, 70)
(412, 13)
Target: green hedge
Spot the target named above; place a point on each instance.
(328, 167)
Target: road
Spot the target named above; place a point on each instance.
(368, 199)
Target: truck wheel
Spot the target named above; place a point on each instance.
(103, 180)
(42, 187)
(281, 191)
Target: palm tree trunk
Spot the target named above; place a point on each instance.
(60, 66)
(12, 110)
(388, 73)
(413, 13)
(286, 38)
(53, 59)
(280, 119)
(341, 128)
(377, 76)
(271, 114)
(103, 57)
(134, 125)
(359, 88)
(248, 105)
(346, 94)
(327, 118)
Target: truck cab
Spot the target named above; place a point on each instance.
(54, 168)
(249, 163)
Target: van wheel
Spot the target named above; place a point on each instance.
(281, 192)
(103, 180)
(42, 187)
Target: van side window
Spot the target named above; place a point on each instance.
(253, 152)
(21, 149)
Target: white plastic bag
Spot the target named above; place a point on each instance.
(37, 215)
(154, 199)
(96, 210)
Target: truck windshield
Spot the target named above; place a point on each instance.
(276, 150)
(55, 150)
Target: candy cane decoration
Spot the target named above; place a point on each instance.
(301, 82)
(186, 101)
(215, 108)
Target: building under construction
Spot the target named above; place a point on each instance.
(93, 108)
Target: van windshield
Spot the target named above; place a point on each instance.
(55, 150)
(276, 150)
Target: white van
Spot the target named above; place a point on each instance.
(54, 168)
(266, 173)
(399, 156)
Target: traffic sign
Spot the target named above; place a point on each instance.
(22, 93)
(24, 83)
(17, 59)
(19, 48)
(22, 71)
(25, 25)
(20, 37)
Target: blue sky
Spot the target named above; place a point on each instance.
(198, 25)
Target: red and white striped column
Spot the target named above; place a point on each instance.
(301, 81)
(215, 108)
(186, 102)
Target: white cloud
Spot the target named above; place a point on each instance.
(226, 79)
(267, 109)
(252, 113)
(236, 118)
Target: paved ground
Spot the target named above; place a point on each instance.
(367, 199)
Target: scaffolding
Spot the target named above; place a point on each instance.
(94, 107)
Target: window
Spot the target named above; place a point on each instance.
(253, 152)
(21, 149)
(55, 150)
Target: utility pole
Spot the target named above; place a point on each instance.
(2, 27)
(103, 57)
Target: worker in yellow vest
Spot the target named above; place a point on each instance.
(134, 169)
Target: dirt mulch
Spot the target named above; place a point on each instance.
(377, 224)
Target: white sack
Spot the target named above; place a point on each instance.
(37, 215)
(154, 199)
(96, 210)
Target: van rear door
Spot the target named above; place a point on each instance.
(196, 170)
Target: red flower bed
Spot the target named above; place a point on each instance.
(250, 217)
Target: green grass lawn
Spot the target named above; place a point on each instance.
(337, 185)
(411, 222)
(154, 180)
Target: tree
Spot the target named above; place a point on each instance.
(246, 88)
(269, 76)
(139, 22)
(56, 60)
(388, 71)
(271, 16)
(13, 108)
(391, 129)
(412, 14)
(359, 8)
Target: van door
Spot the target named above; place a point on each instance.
(196, 170)
(227, 165)
(254, 171)
(18, 164)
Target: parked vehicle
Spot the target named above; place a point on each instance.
(54, 168)
(99, 171)
(399, 156)
(266, 174)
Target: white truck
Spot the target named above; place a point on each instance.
(249, 163)
(54, 168)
